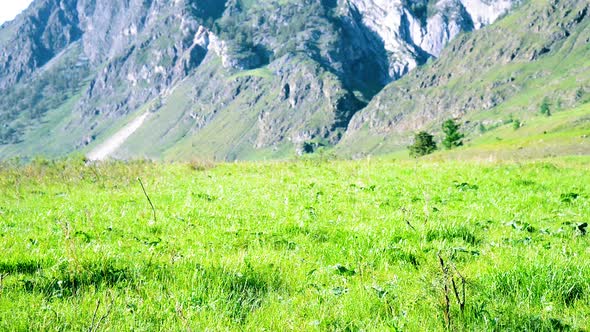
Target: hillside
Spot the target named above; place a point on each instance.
(223, 79)
(566, 133)
(537, 54)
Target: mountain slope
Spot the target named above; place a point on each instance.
(485, 77)
(252, 79)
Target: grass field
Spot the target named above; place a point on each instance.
(308, 245)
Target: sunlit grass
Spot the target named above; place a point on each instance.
(309, 245)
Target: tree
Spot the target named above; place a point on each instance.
(545, 107)
(453, 138)
(423, 144)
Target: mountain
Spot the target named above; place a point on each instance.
(538, 54)
(232, 79)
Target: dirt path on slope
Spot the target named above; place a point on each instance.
(104, 150)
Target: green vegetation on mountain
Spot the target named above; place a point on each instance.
(23, 106)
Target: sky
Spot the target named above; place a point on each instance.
(10, 8)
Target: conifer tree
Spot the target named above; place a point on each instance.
(453, 138)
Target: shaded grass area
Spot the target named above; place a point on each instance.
(308, 245)
(67, 281)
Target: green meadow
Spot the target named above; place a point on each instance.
(309, 245)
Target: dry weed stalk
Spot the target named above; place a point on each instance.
(148, 198)
(95, 327)
(450, 280)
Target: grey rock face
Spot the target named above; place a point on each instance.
(35, 38)
(409, 36)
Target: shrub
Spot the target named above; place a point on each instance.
(516, 124)
(201, 164)
(482, 128)
(545, 107)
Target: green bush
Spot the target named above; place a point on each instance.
(516, 124)
(423, 144)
